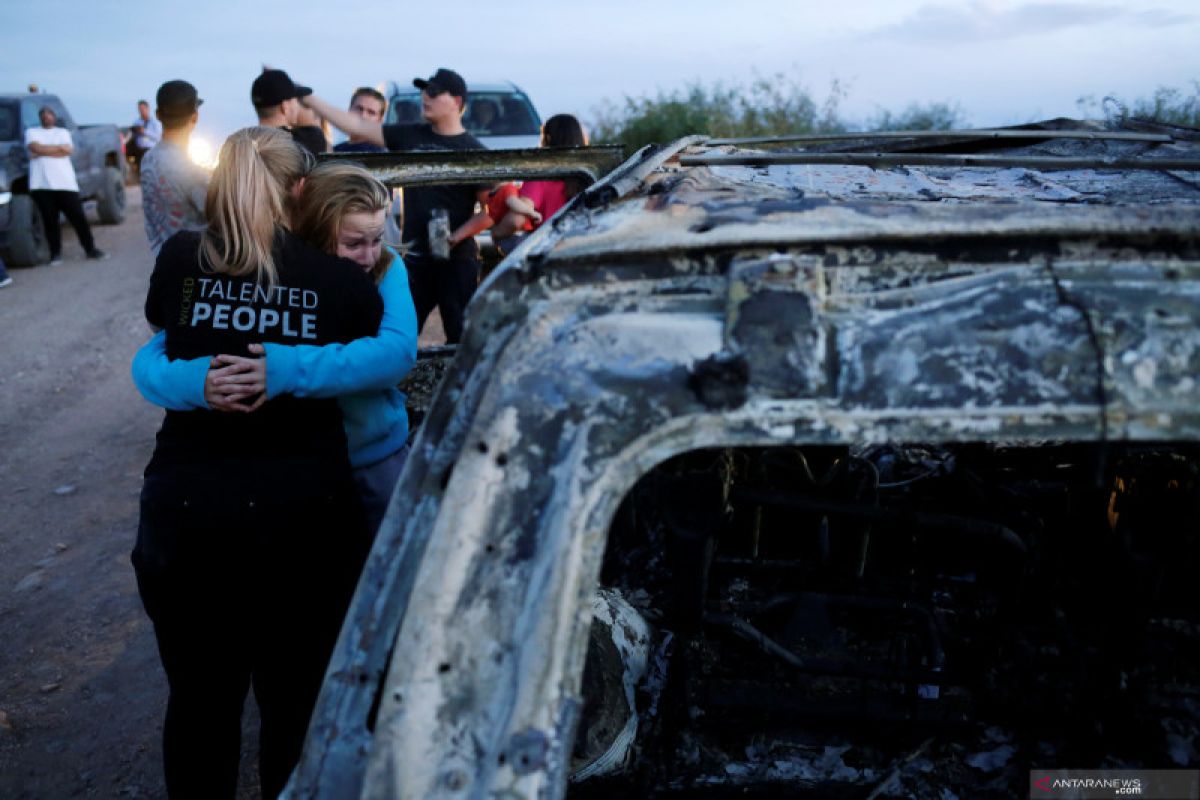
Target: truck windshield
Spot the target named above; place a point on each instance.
(488, 113)
(9, 129)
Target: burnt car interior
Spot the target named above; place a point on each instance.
(900, 618)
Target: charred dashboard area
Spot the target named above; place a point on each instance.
(894, 621)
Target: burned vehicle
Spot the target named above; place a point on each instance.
(863, 466)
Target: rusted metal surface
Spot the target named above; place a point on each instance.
(976, 133)
(700, 307)
(878, 160)
(485, 166)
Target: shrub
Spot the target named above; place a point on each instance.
(1167, 105)
(766, 107)
(918, 117)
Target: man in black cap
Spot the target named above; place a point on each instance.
(435, 280)
(173, 186)
(277, 102)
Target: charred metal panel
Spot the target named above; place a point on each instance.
(1144, 314)
(775, 321)
(878, 160)
(1000, 339)
(974, 134)
(485, 166)
(913, 184)
(646, 226)
(581, 400)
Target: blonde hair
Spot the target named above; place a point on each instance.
(249, 201)
(331, 191)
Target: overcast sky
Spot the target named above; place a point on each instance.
(1003, 61)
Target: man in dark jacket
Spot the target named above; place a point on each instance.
(277, 102)
(443, 271)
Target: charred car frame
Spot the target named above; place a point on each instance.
(867, 465)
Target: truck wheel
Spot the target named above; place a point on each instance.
(110, 201)
(27, 245)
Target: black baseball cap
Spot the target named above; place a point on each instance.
(444, 80)
(274, 86)
(177, 99)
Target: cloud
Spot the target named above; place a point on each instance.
(980, 20)
(1159, 18)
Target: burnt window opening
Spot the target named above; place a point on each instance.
(913, 620)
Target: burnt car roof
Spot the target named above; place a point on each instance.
(688, 301)
(709, 200)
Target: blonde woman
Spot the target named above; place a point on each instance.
(251, 535)
(341, 211)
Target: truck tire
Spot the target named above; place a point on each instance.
(110, 200)
(27, 245)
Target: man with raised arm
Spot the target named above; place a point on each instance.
(371, 105)
(436, 280)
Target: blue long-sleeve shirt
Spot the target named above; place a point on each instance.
(362, 374)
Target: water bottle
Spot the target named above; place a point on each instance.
(439, 233)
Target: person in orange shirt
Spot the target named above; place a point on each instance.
(537, 201)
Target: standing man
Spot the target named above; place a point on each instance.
(277, 102)
(173, 186)
(146, 133)
(371, 105)
(447, 283)
(53, 186)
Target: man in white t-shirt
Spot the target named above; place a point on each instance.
(53, 186)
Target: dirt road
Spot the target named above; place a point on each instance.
(81, 689)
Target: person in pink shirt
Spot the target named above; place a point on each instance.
(537, 201)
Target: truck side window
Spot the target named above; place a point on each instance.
(8, 123)
(29, 114)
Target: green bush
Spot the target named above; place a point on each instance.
(778, 105)
(1167, 105)
(767, 107)
(918, 117)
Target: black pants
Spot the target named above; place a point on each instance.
(446, 284)
(50, 203)
(132, 150)
(246, 587)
